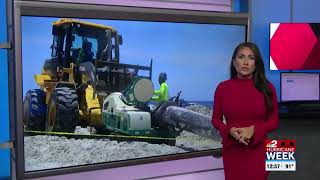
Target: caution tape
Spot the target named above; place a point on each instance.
(94, 136)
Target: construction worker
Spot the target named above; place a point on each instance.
(85, 53)
(161, 95)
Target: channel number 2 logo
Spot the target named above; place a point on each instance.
(273, 143)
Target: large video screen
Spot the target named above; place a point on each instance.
(300, 87)
(294, 46)
(92, 92)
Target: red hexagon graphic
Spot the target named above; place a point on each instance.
(294, 46)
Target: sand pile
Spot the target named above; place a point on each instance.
(46, 152)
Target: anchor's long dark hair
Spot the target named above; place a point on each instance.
(259, 76)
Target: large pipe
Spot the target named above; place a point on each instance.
(187, 120)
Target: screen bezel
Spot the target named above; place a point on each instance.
(53, 9)
(297, 101)
(269, 68)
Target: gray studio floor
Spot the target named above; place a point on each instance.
(306, 131)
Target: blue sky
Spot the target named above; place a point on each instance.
(196, 57)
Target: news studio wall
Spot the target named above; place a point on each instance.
(186, 8)
(26, 27)
(299, 126)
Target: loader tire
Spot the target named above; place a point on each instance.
(63, 110)
(34, 110)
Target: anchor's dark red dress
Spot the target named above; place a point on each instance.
(243, 105)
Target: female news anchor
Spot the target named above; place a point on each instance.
(248, 101)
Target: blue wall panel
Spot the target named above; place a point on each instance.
(4, 113)
(263, 13)
(240, 6)
(5, 163)
(4, 106)
(306, 11)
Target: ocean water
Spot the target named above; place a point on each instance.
(204, 103)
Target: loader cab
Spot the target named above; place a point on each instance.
(76, 41)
